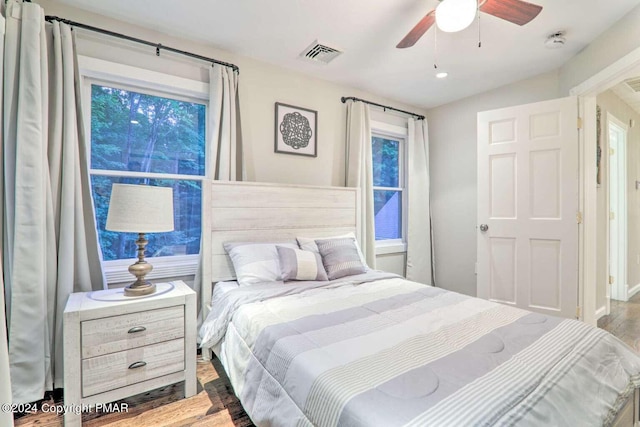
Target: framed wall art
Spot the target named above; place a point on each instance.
(296, 130)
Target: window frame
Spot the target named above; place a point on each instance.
(98, 71)
(400, 134)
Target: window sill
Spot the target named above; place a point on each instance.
(387, 248)
(163, 267)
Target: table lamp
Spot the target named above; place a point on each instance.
(140, 209)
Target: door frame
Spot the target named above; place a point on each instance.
(620, 287)
(618, 71)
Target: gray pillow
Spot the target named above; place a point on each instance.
(309, 244)
(296, 264)
(340, 257)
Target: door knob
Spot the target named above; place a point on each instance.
(484, 227)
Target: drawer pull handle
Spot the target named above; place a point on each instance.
(137, 365)
(137, 329)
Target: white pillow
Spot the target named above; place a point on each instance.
(309, 244)
(255, 262)
(296, 264)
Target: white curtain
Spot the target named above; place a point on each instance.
(360, 173)
(28, 271)
(6, 417)
(50, 241)
(224, 146)
(79, 266)
(419, 238)
(225, 141)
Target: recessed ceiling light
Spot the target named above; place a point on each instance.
(442, 74)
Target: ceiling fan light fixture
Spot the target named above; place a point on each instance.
(455, 15)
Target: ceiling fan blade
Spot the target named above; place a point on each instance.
(418, 31)
(516, 11)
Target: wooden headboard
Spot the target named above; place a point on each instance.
(259, 212)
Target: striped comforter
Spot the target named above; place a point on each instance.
(376, 350)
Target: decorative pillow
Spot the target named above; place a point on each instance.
(309, 244)
(296, 264)
(255, 262)
(340, 257)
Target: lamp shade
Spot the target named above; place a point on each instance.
(140, 209)
(455, 15)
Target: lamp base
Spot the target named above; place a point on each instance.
(140, 269)
(135, 290)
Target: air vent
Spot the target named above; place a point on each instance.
(634, 84)
(318, 52)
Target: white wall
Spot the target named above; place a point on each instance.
(617, 41)
(453, 161)
(261, 85)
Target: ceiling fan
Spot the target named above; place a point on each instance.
(456, 15)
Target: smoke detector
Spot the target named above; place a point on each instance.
(555, 40)
(319, 52)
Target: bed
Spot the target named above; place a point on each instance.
(372, 348)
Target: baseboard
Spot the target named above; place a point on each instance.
(631, 292)
(601, 312)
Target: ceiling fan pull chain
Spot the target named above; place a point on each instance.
(479, 33)
(435, 48)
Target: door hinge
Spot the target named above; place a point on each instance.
(611, 280)
(612, 216)
(612, 151)
(578, 312)
(579, 217)
(579, 122)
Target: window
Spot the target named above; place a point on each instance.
(152, 136)
(389, 193)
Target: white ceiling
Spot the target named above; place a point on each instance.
(276, 31)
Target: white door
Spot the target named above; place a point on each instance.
(528, 205)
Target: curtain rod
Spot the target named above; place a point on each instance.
(158, 46)
(386, 107)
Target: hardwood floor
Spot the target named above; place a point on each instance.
(215, 405)
(624, 321)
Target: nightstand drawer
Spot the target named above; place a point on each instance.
(118, 333)
(133, 366)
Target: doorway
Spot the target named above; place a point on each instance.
(594, 283)
(617, 204)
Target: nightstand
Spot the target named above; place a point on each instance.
(117, 346)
